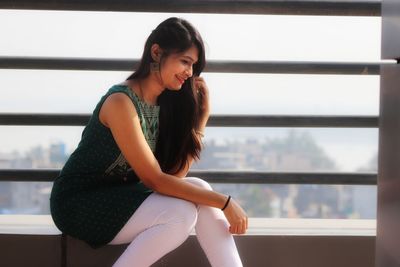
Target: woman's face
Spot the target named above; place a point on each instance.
(176, 68)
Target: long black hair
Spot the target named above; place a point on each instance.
(179, 110)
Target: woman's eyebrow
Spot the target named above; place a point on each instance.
(191, 59)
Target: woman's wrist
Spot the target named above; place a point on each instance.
(202, 127)
(226, 202)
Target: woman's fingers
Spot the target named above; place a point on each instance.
(201, 90)
(237, 218)
(200, 84)
(235, 230)
(240, 228)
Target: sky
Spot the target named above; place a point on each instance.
(121, 35)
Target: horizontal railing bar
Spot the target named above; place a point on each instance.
(36, 119)
(231, 177)
(260, 177)
(221, 66)
(274, 7)
(293, 121)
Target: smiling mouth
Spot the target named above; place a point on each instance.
(180, 80)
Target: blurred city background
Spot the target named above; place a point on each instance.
(295, 151)
(227, 37)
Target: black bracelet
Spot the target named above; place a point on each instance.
(226, 203)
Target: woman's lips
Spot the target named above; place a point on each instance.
(180, 80)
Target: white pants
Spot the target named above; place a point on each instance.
(162, 223)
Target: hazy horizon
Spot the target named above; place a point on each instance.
(227, 37)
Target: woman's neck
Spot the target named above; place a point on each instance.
(151, 88)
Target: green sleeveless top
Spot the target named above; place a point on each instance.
(97, 191)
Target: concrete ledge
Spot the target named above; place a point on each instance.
(33, 240)
(28, 225)
(255, 251)
(20, 250)
(44, 225)
(311, 227)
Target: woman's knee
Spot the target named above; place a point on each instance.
(199, 182)
(181, 211)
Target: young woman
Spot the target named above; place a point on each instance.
(126, 181)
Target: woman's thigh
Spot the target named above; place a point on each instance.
(156, 209)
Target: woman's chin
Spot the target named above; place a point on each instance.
(176, 87)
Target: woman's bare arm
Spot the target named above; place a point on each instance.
(120, 115)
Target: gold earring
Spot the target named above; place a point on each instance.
(154, 67)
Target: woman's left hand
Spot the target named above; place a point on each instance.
(201, 89)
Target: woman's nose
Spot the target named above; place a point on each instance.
(189, 72)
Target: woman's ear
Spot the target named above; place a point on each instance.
(156, 52)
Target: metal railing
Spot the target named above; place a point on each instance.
(276, 7)
(214, 120)
(233, 177)
(282, 67)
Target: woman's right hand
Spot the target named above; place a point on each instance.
(236, 217)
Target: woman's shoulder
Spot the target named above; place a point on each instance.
(130, 86)
(118, 88)
(124, 87)
(111, 94)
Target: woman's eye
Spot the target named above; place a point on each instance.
(185, 62)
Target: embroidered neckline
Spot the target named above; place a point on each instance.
(140, 100)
